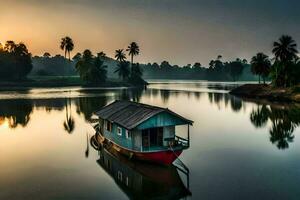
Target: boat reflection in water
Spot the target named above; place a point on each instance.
(140, 180)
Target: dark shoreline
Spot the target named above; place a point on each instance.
(267, 92)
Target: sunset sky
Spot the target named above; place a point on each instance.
(180, 31)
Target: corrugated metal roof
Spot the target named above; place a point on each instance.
(130, 114)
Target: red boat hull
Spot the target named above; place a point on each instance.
(160, 157)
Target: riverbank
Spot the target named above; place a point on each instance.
(48, 82)
(260, 91)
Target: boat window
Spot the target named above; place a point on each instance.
(127, 181)
(120, 175)
(128, 134)
(119, 131)
(108, 125)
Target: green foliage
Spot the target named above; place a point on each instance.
(235, 69)
(15, 61)
(261, 66)
(91, 70)
(52, 66)
(285, 70)
(123, 70)
(136, 75)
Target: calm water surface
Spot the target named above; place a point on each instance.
(239, 149)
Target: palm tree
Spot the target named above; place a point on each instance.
(101, 54)
(285, 49)
(67, 45)
(84, 64)
(133, 50)
(120, 55)
(123, 70)
(260, 65)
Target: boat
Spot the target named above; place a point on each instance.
(140, 180)
(142, 131)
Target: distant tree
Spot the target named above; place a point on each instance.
(236, 69)
(10, 46)
(15, 61)
(1, 47)
(219, 57)
(67, 45)
(98, 72)
(197, 65)
(133, 50)
(123, 70)
(261, 65)
(77, 57)
(136, 75)
(120, 55)
(46, 55)
(211, 64)
(101, 55)
(91, 70)
(245, 61)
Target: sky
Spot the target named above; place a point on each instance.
(180, 31)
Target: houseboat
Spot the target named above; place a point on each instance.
(141, 131)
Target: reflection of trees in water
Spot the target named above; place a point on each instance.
(165, 95)
(236, 103)
(284, 121)
(16, 112)
(133, 94)
(69, 123)
(88, 105)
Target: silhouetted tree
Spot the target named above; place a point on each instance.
(123, 70)
(91, 70)
(261, 65)
(15, 61)
(77, 57)
(133, 50)
(285, 51)
(120, 55)
(46, 55)
(101, 55)
(235, 69)
(67, 45)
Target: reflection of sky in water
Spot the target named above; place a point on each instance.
(230, 156)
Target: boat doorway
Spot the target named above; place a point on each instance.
(152, 137)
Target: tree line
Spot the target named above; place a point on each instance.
(284, 68)
(15, 61)
(217, 70)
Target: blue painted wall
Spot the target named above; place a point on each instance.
(160, 120)
(120, 140)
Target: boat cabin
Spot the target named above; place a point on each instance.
(142, 128)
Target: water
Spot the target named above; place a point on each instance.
(239, 149)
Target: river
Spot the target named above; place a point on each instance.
(239, 149)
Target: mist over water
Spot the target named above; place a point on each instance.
(239, 149)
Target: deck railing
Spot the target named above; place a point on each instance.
(182, 141)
